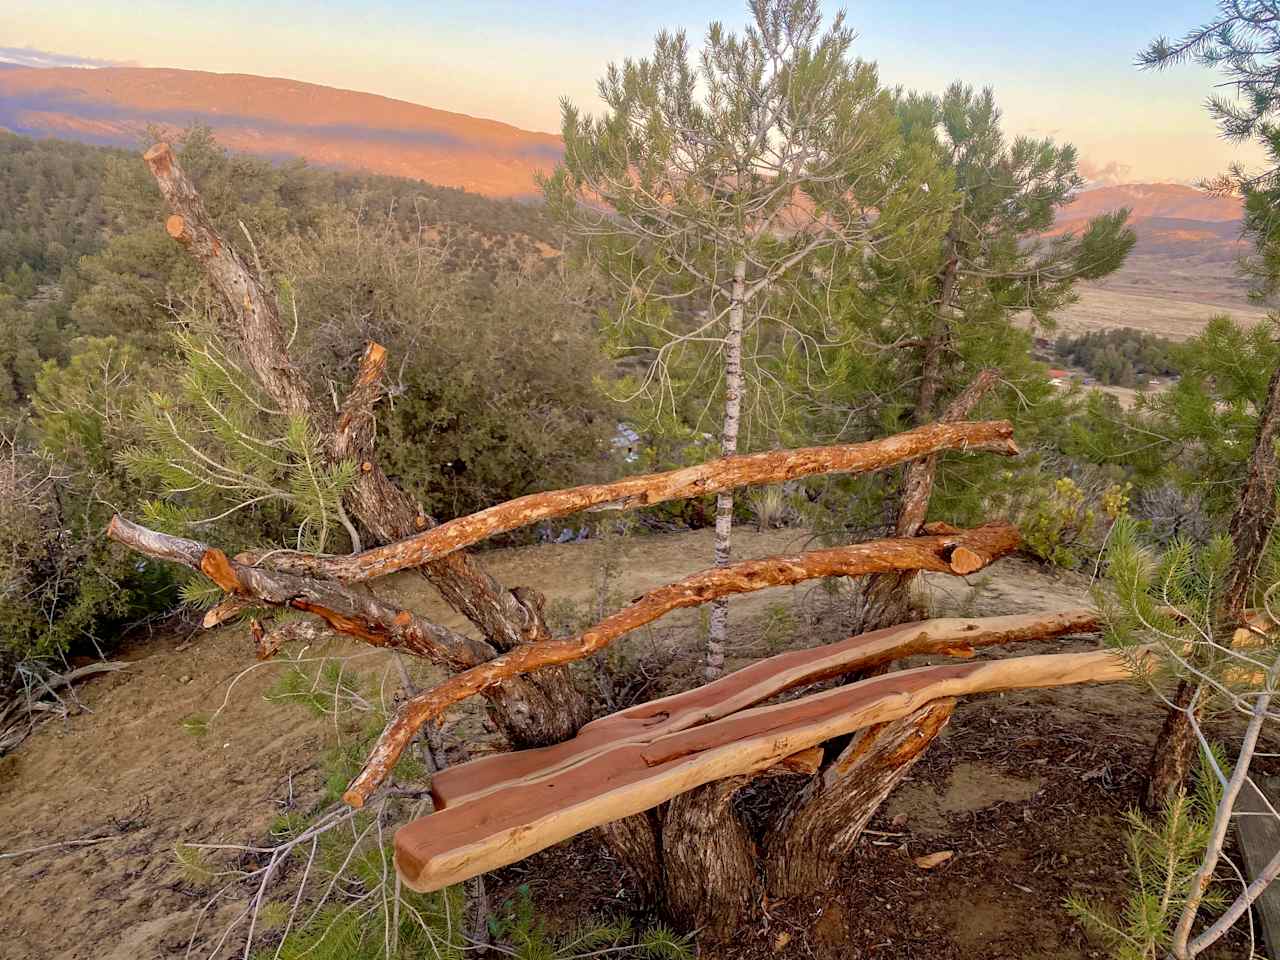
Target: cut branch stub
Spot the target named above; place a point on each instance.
(516, 821)
(916, 553)
(726, 473)
(545, 709)
(257, 322)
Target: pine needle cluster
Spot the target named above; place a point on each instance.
(1164, 854)
(216, 448)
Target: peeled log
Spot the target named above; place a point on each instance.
(752, 685)
(515, 822)
(725, 473)
(915, 553)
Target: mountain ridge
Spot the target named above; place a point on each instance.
(347, 129)
(279, 117)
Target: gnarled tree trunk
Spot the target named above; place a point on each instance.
(636, 841)
(886, 598)
(823, 822)
(710, 881)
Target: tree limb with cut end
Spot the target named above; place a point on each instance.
(952, 552)
(551, 708)
(725, 473)
(257, 322)
(344, 609)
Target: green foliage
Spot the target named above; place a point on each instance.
(200, 593)
(353, 908)
(959, 290)
(1062, 526)
(51, 208)
(193, 864)
(62, 585)
(1198, 433)
(108, 341)
(215, 448)
(518, 927)
(748, 165)
(432, 926)
(28, 337)
(494, 396)
(1164, 853)
(196, 725)
(1119, 357)
(329, 690)
(1241, 44)
(428, 927)
(1173, 598)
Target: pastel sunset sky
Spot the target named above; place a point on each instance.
(1059, 69)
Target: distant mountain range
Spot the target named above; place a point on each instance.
(1170, 219)
(279, 118)
(342, 128)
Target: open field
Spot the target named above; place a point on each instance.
(1170, 296)
(1102, 308)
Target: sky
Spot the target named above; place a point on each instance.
(1058, 69)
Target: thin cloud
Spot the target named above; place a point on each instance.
(30, 57)
(1106, 175)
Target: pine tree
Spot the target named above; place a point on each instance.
(1242, 44)
(927, 320)
(711, 184)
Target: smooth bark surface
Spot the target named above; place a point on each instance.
(753, 685)
(979, 546)
(512, 823)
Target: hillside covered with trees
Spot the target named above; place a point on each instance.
(1119, 358)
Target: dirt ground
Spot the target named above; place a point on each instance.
(1026, 789)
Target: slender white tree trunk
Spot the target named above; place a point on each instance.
(728, 446)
